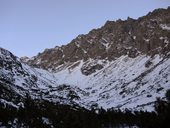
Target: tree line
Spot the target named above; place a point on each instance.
(45, 114)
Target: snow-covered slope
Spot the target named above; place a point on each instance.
(124, 83)
(123, 64)
(18, 80)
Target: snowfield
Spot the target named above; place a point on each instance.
(132, 83)
(125, 82)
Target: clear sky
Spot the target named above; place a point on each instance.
(29, 26)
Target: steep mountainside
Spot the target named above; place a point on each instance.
(148, 35)
(18, 81)
(124, 64)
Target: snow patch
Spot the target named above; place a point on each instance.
(165, 27)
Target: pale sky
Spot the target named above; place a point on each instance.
(29, 26)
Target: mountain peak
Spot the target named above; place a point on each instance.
(124, 64)
(148, 35)
(6, 53)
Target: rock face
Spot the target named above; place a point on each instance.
(124, 64)
(146, 35)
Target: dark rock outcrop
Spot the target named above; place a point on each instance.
(146, 35)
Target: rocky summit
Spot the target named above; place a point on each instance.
(123, 64)
(147, 35)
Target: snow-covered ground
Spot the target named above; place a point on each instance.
(123, 83)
